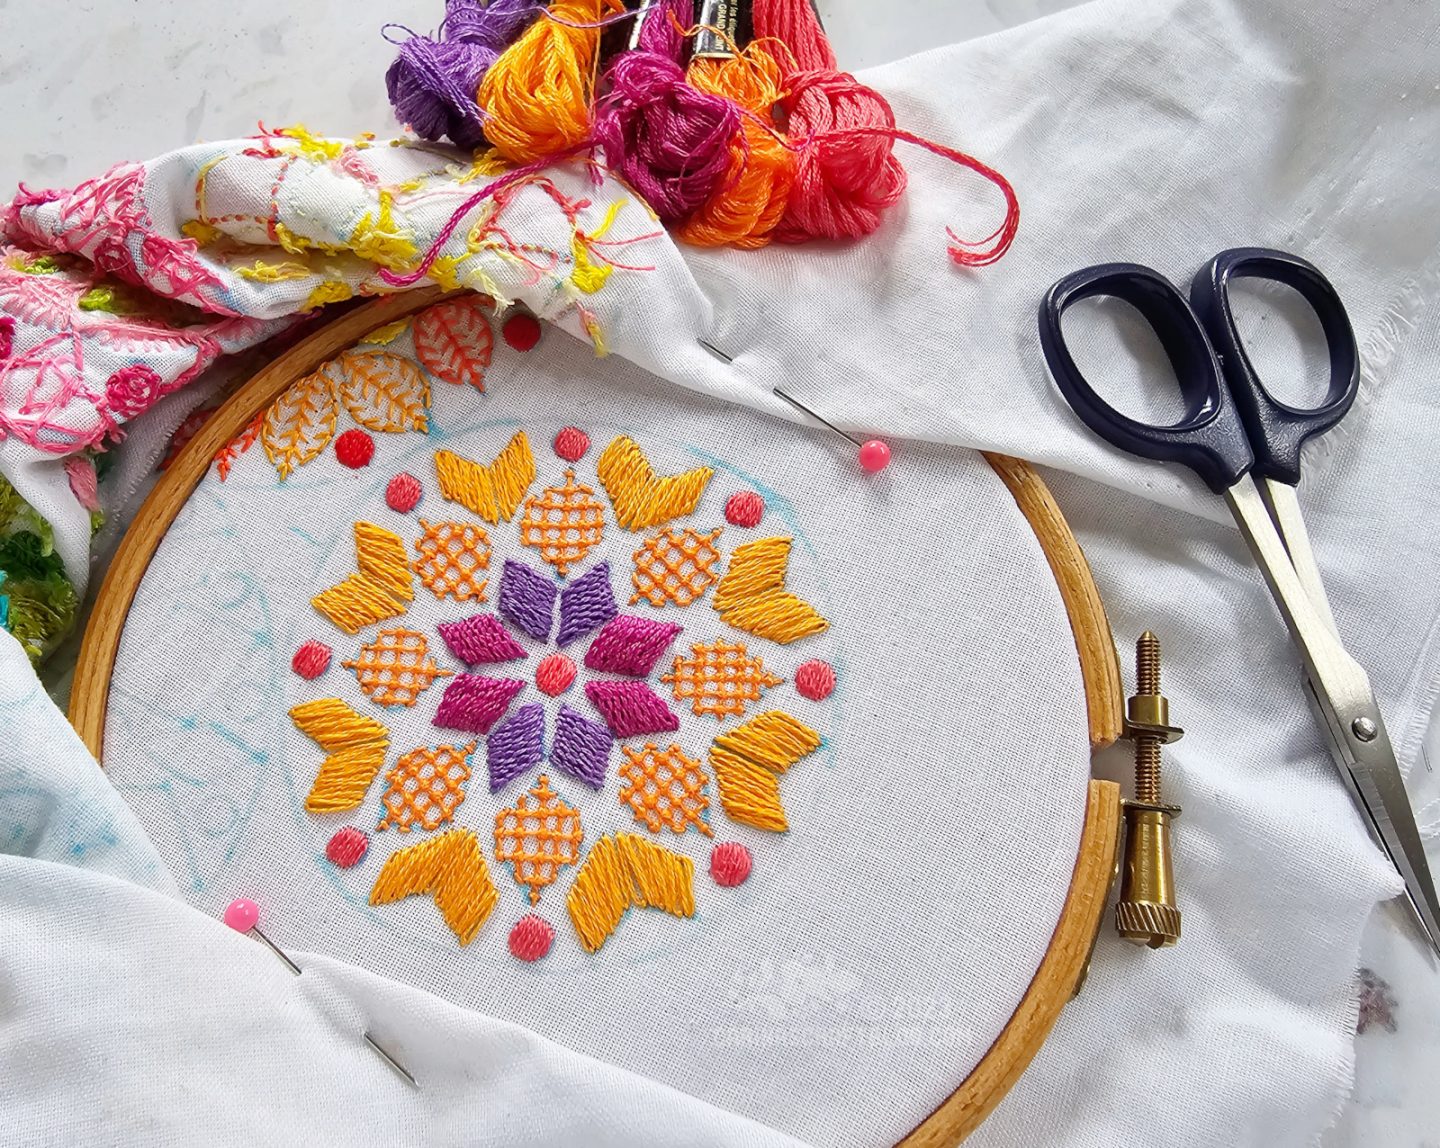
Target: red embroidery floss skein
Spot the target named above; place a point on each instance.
(667, 140)
(844, 180)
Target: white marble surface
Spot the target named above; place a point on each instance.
(86, 84)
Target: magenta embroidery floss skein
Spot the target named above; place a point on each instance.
(662, 136)
(432, 83)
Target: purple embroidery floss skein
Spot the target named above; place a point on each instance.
(666, 139)
(432, 83)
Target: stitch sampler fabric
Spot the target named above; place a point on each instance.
(1161, 132)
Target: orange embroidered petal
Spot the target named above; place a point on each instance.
(426, 786)
(494, 491)
(719, 678)
(538, 835)
(640, 496)
(381, 391)
(564, 523)
(356, 603)
(300, 423)
(380, 555)
(675, 566)
(752, 595)
(625, 870)
(225, 457)
(747, 761)
(454, 341)
(396, 668)
(665, 789)
(451, 869)
(452, 558)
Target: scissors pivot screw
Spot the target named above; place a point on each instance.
(1146, 912)
(1364, 729)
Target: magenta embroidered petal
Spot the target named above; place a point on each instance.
(630, 645)
(631, 708)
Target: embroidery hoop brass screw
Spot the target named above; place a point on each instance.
(1146, 912)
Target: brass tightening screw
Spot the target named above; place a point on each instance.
(1146, 912)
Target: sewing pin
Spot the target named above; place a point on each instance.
(243, 915)
(874, 454)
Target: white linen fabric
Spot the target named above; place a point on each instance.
(879, 939)
(1159, 132)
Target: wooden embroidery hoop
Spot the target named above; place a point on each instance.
(1063, 967)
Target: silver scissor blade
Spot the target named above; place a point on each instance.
(1283, 502)
(1358, 741)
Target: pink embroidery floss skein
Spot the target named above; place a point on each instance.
(844, 178)
(667, 140)
(432, 83)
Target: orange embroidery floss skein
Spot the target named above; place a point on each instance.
(537, 97)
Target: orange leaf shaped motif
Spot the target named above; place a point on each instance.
(382, 391)
(454, 342)
(300, 423)
(225, 457)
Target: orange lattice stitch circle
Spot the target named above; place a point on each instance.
(719, 678)
(426, 786)
(563, 522)
(538, 834)
(395, 668)
(675, 566)
(452, 554)
(665, 788)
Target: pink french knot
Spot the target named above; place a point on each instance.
(132, 390)
(311, 660)
(81, 473)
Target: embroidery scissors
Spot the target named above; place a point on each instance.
(1246, 444)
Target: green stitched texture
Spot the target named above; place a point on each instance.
(37, 602)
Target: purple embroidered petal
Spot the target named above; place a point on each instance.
(586, 604)
(631, 708)
(517, 745)
(473, 704)
(482, 638)
(581, 747)
(630, 645)
(527, 598)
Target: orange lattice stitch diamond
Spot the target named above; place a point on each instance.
(426, 786)
(396, 668)
(675, 566)
(452, 557)
(719, 678)
(665, 788)
(563, 522)
(538, 834)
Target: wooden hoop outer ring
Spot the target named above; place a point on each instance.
(1067, 958)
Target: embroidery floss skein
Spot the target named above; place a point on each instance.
(747, 207)
(432, 83)
(536, 98)
(844, 178)
(665, 138)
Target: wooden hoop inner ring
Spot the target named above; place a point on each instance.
(1067, 956)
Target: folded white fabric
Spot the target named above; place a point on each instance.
(1160, 132)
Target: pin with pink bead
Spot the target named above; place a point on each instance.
(243, 915)
(874, 455)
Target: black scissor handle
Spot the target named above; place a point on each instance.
(1208, 438)
(1277, 430)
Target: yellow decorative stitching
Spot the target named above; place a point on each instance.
(641, 497)
(262, 272)
(665, 789)
(382, 391)
(426, 786)
(538, 835)
(300, 423)
(451, 868)
(625, 870)
(356, 746)
(381, 588)
(752, 595)
(747, 760)
(493, 492)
